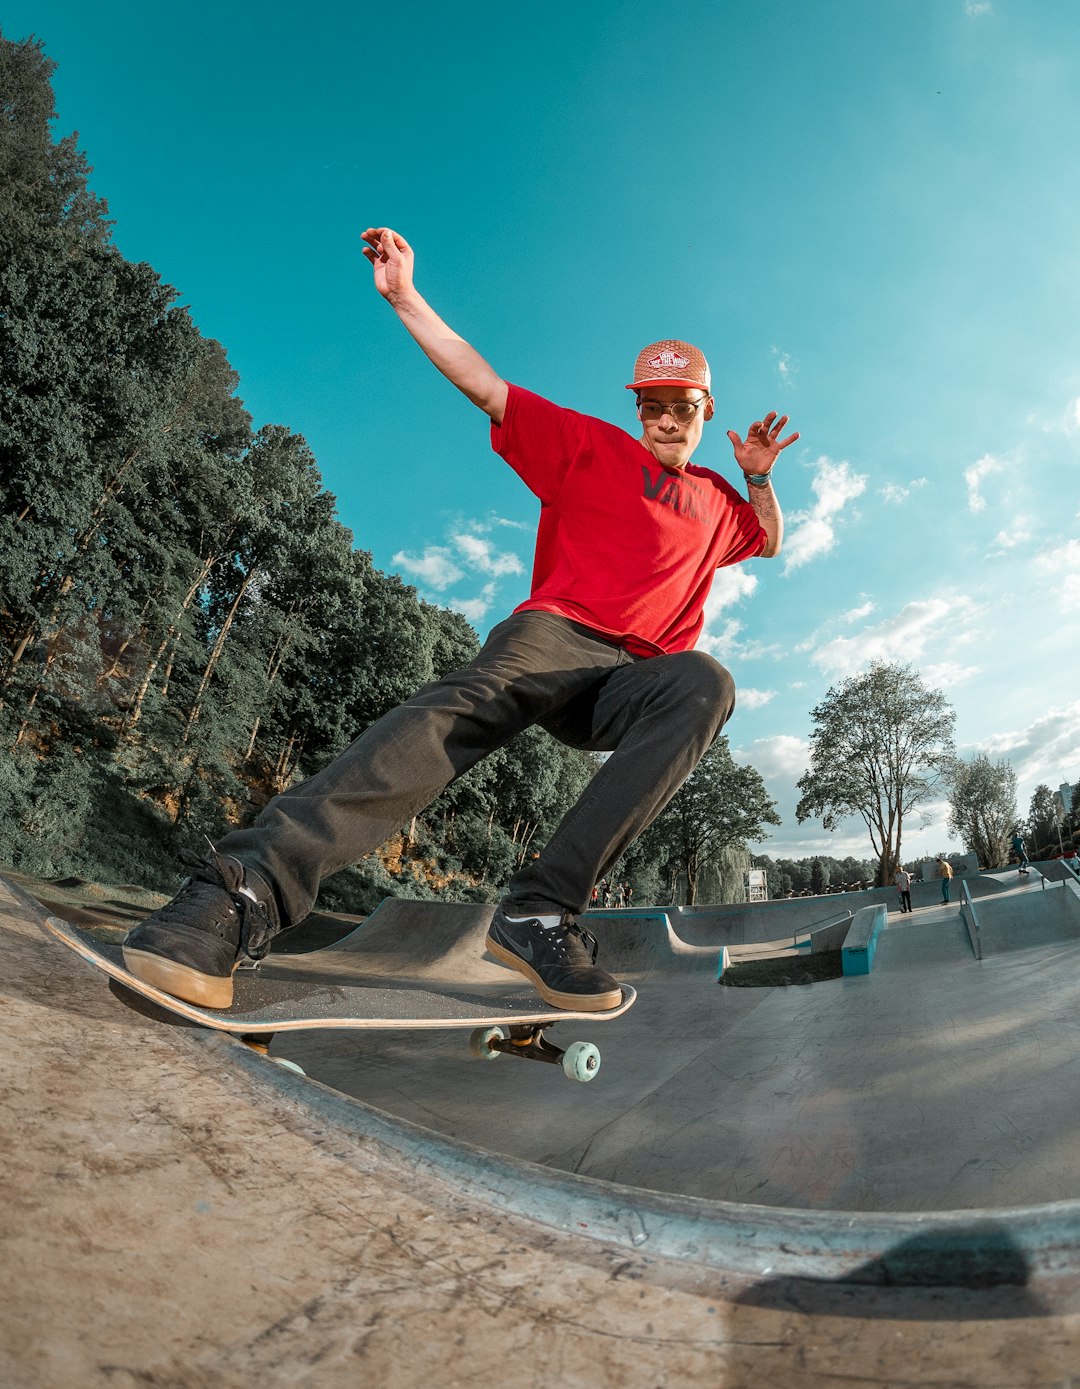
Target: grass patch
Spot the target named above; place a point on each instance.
(779, 972)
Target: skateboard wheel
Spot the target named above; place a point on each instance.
(581, 1061)
(480, 1043)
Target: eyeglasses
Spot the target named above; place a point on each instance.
(681, 411)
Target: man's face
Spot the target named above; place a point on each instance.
(671, 441)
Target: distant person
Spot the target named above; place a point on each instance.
(902, 880)
(628, 893)
(1020, 851)
(1072, 860)
(620, 895)
(631, 534)
(945, 869)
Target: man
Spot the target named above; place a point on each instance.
(1020, 850)
(600, 654)
(946, 871)
(902, 879)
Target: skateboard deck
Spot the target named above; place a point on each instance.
(380, 977)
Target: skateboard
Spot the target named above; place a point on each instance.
(380, 977)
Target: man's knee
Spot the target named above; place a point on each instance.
(702, 683)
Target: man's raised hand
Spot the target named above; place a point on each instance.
(392, 257)
(762, 445)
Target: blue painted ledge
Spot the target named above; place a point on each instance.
(857, 953)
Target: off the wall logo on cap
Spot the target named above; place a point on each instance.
(668, 359)
(670, 362)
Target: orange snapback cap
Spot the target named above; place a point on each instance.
(671, 363)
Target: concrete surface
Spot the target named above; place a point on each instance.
(179, 1211)
(917, 1088)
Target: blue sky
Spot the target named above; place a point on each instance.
(864, 211)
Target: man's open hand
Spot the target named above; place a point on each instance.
(392, 257)
(762, 445)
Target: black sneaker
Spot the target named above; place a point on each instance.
(560, 962)
(190, 947)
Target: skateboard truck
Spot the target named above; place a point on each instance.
(580, 1060)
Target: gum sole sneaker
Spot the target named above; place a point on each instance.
(559, 962)
(190, 947)
(181, 981)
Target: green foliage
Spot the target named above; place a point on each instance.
(721, 805)
(982, 807)
(1042, 822)
(797, 877)
(882, 743)
(186, 628)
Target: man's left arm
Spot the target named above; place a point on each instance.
(756, 455)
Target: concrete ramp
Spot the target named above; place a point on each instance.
(922, 945)
(761, 923)
(641, 943)
(445, 940)
(1027, 920)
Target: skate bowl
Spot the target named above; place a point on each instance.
(403, 1203)
(915, 1089)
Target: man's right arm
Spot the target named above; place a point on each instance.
(392, 259)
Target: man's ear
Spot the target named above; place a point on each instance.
(708, 411)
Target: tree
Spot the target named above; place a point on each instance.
(983, 807)
(882, 742)
(719, 807)
(1042, 819)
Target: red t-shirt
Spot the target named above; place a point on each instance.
(624, 546)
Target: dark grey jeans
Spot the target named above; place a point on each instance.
(656, 716)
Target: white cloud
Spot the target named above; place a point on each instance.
(754, 699)
(927, 625)
(784, 365)
(782, 755)
(974, 476)
(474, 609)
(813, 533)
(844, 619)
(723, 643)
(1065, 559)
(974, 9)
(1062, 569)
(480, 554)
(1047, 750)
(946, 675)
(1019, 534)
(468, 553)
(730, 586)
(1065, 423)
(899, 492)
(435, 567)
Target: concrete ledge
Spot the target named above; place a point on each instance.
(860, 946)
